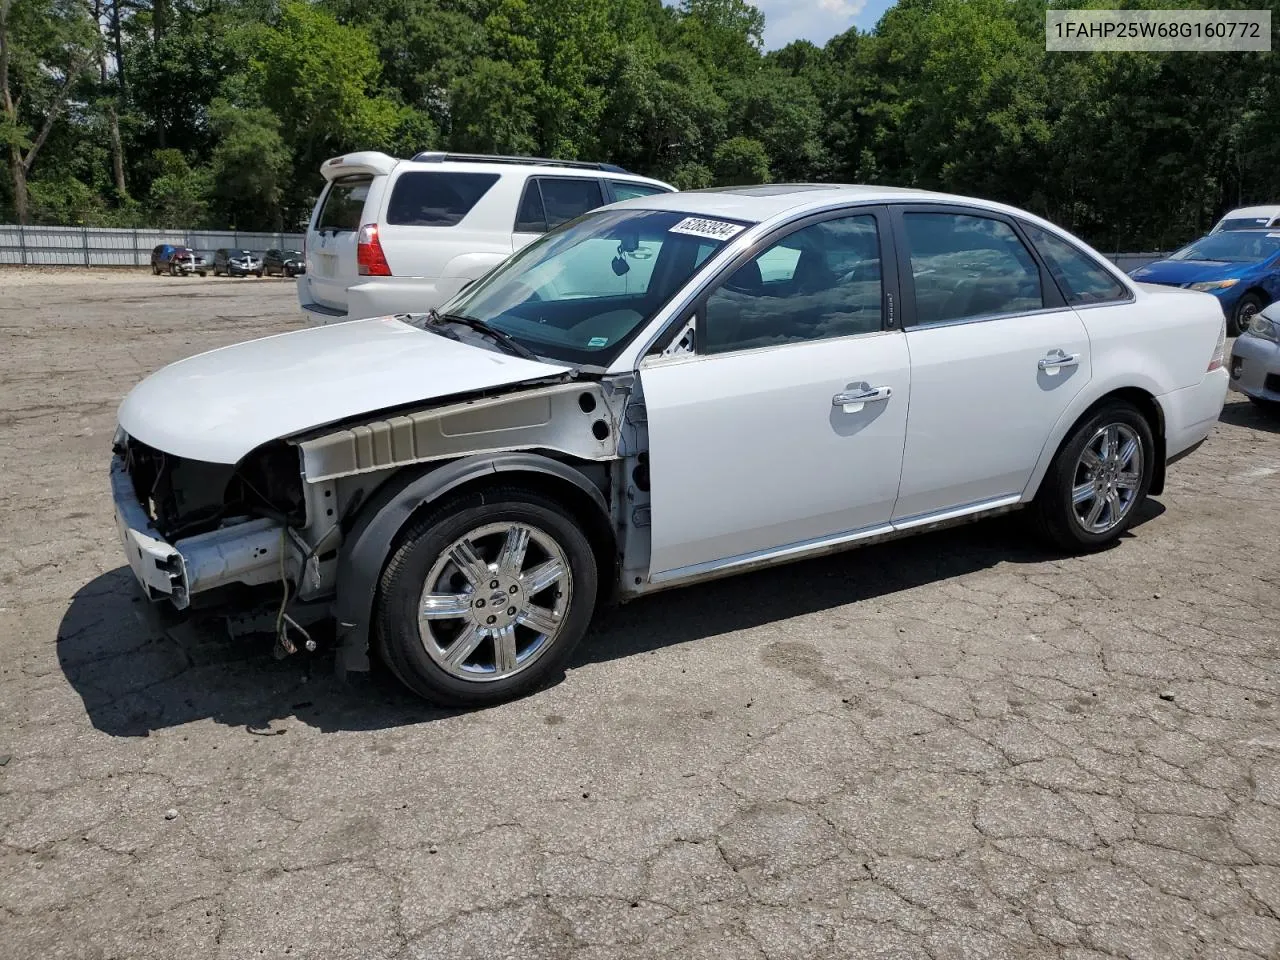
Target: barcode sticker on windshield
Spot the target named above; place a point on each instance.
(710, 229)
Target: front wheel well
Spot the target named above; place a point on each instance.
(1149, 407)
(585, 508)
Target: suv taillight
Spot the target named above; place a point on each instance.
(369, 256)
(1220, 350)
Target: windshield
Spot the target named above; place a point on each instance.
(1244, 223)
(1238, 246)
(582, 291)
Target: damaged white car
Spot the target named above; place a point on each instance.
(669, 389)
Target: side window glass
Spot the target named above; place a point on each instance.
(565, 199)
(820, 282)
(1081, 278)
(531, 218)
(966, 266)
(624, 190)
(421, 199)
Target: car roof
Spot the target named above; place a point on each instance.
(381, 164)
(1270, 210)
(758, 204)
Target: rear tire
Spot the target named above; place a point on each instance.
(453, 637)
(258, 274)
(1097, 480)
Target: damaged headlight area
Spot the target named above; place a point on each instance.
(184, 498)
(192, 527)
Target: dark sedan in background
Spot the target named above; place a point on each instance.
(236, 263)
(286, 263)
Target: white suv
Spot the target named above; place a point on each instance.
(392, 236)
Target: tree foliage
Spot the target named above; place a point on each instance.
(230, 106)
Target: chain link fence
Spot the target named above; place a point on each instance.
(111, 247)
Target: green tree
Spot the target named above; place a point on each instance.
(180, 195)
(250, 166)
(740, 160)
(47, 47)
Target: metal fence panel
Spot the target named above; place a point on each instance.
(109, 247)
(112, 247)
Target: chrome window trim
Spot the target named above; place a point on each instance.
(985, 318)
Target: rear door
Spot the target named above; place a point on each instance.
(548, 202)
(331, 239)
(996, 357)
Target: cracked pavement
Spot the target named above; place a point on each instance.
(947, 747)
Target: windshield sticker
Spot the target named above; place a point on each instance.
(1275, 235)
(598, 342)
(710, 229)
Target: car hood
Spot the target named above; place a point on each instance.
(220, 405)
(1189, 271)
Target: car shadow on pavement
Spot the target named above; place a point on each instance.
(1250, 415)
(796, 589)
(136, 673)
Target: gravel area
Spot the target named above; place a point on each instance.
(948, 747)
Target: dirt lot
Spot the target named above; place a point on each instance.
(956, 746)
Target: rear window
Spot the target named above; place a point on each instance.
(551, 201)
(422, 199)
(344, 204)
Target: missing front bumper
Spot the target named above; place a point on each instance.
(248, 552)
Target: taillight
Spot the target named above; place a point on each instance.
(369, 256)
(1220, 351)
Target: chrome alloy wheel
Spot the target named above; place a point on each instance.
(1107, 478)
(494, 601)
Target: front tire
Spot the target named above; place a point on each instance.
(486, 597)
(1097, 481)
(1245, 310)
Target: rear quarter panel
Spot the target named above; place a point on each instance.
(1161, 342)
(466, 249)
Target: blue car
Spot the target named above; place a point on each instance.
(1239, 267)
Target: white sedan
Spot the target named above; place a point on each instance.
(669, 389)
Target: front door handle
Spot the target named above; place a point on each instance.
(854, 400)
(1055, 362)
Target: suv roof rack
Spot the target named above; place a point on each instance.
(435, 156)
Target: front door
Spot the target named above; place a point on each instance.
(996, 358)
(785, 427)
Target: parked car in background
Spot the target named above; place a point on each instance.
(673, 388)
(184, 261)
(1239, 267)
(236, 263)
(160, 255)
(394, 236)
(286, 263)
(1250, 218)
(1255, 360)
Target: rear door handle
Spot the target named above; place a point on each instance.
(1055, 362)
(854, 400)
